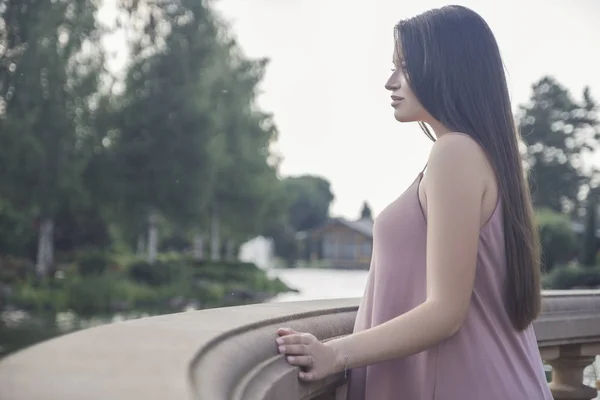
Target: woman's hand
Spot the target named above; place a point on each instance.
(304, 350)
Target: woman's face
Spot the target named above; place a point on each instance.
(406, 106)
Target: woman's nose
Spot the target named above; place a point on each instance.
(392, 84)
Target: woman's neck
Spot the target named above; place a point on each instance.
(438, 128)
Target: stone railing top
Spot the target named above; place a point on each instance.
(220, 354)
(569, 316)
(163, 357)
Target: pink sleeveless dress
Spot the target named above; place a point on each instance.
(486, 360)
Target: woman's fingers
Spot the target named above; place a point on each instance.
(306, 376)
(297, 349)
(294, 344)
(286, 331)
(294, 338)
(301, 361)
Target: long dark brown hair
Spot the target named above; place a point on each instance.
(453, 65)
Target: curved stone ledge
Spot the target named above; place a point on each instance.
(244, 364)
(230, 353)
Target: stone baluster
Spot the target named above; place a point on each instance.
(342, 392)
(567, 372)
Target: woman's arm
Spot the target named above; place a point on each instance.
(454, 190)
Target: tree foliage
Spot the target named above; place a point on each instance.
(558, 131)
(310, 199)
(589, 247)
(178, 137)
(558, 240)
(50, 65)
(365, 212)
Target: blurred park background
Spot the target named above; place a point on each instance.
(159, 156)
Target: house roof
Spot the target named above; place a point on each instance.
(362, 226)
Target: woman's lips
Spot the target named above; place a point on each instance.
(396, 100)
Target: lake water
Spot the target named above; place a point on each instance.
(315, 284)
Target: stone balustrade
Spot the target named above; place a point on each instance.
(230, 354)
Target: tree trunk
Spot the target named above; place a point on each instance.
(141, 246)
(45, 252)
(215, 238)
(198, 251)
(152, 237)
(231, 250)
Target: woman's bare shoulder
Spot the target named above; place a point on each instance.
(459, 169)
(458, 150)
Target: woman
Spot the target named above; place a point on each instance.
(454, 283)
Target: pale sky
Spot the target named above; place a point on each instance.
(330, 59)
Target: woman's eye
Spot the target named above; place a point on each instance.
(401, 67)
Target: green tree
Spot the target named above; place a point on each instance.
(558, 240)
(163, 149)
(191, 144)
(310, 200)
(248, 194)
(557, 132)
(51, 64)
(366, 212)
(306, 201)
(590, 243)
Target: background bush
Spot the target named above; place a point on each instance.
(558, 241)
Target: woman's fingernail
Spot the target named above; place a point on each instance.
(290, 359)
(280, 341)
(281, 349)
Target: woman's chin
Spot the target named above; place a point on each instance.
(402, 117)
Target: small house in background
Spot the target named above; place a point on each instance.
(339, 243)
